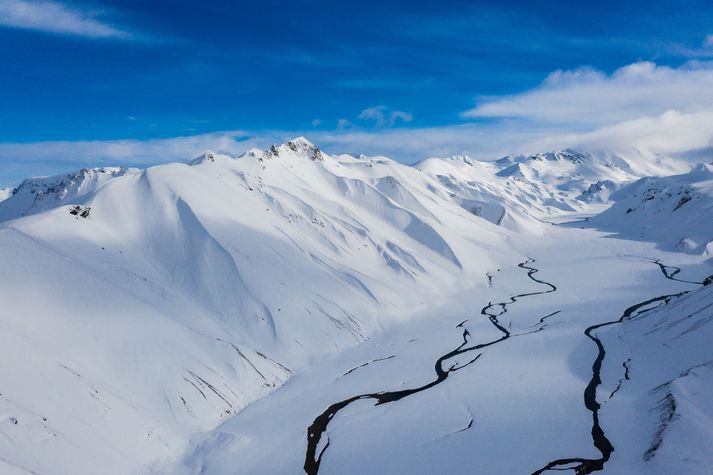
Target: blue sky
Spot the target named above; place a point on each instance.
(369, 75)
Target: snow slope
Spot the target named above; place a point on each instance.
(142, 306)
(516, 407)
(151, 318)
(667, 390)
(515, 189)
(673, 211)
(5, 193)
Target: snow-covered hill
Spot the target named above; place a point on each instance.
(570, 379)
(674, 211)
(149, 317)
(142, 306)
(668, 367)
(34, 195)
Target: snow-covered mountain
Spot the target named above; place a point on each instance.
(514, 189)
(34, 195)
(151, 318)
(674, 211)
(157, 303)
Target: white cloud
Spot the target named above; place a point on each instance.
(399, 115)
(640, 106)
(55, 17)
(375, 114)
(20, 160)
(381, 116)
(671, 133)
(128, 152)
(708, 41)
(588, 98)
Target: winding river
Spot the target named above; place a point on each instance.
(584, 465)
(492, 311)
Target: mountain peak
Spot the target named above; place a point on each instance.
(209, 156)
(302, 146)
(298, 146)
(301, 142)
(566, 154)
(703, 168)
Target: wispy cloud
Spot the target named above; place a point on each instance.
(375, 114)
(381, 116)
(402, 116)
(55, 17)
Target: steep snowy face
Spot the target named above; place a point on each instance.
(673, 211)
(568, 171)
(34, 195)
(667, 352)
(173, 297)
(599, 192)
(477, 188)
(5, 193)
(515, 189)
(208, 156)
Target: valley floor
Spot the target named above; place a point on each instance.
(520, 405)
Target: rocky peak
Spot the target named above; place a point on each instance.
(207, 156)
(567, 154)
(299, 146)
